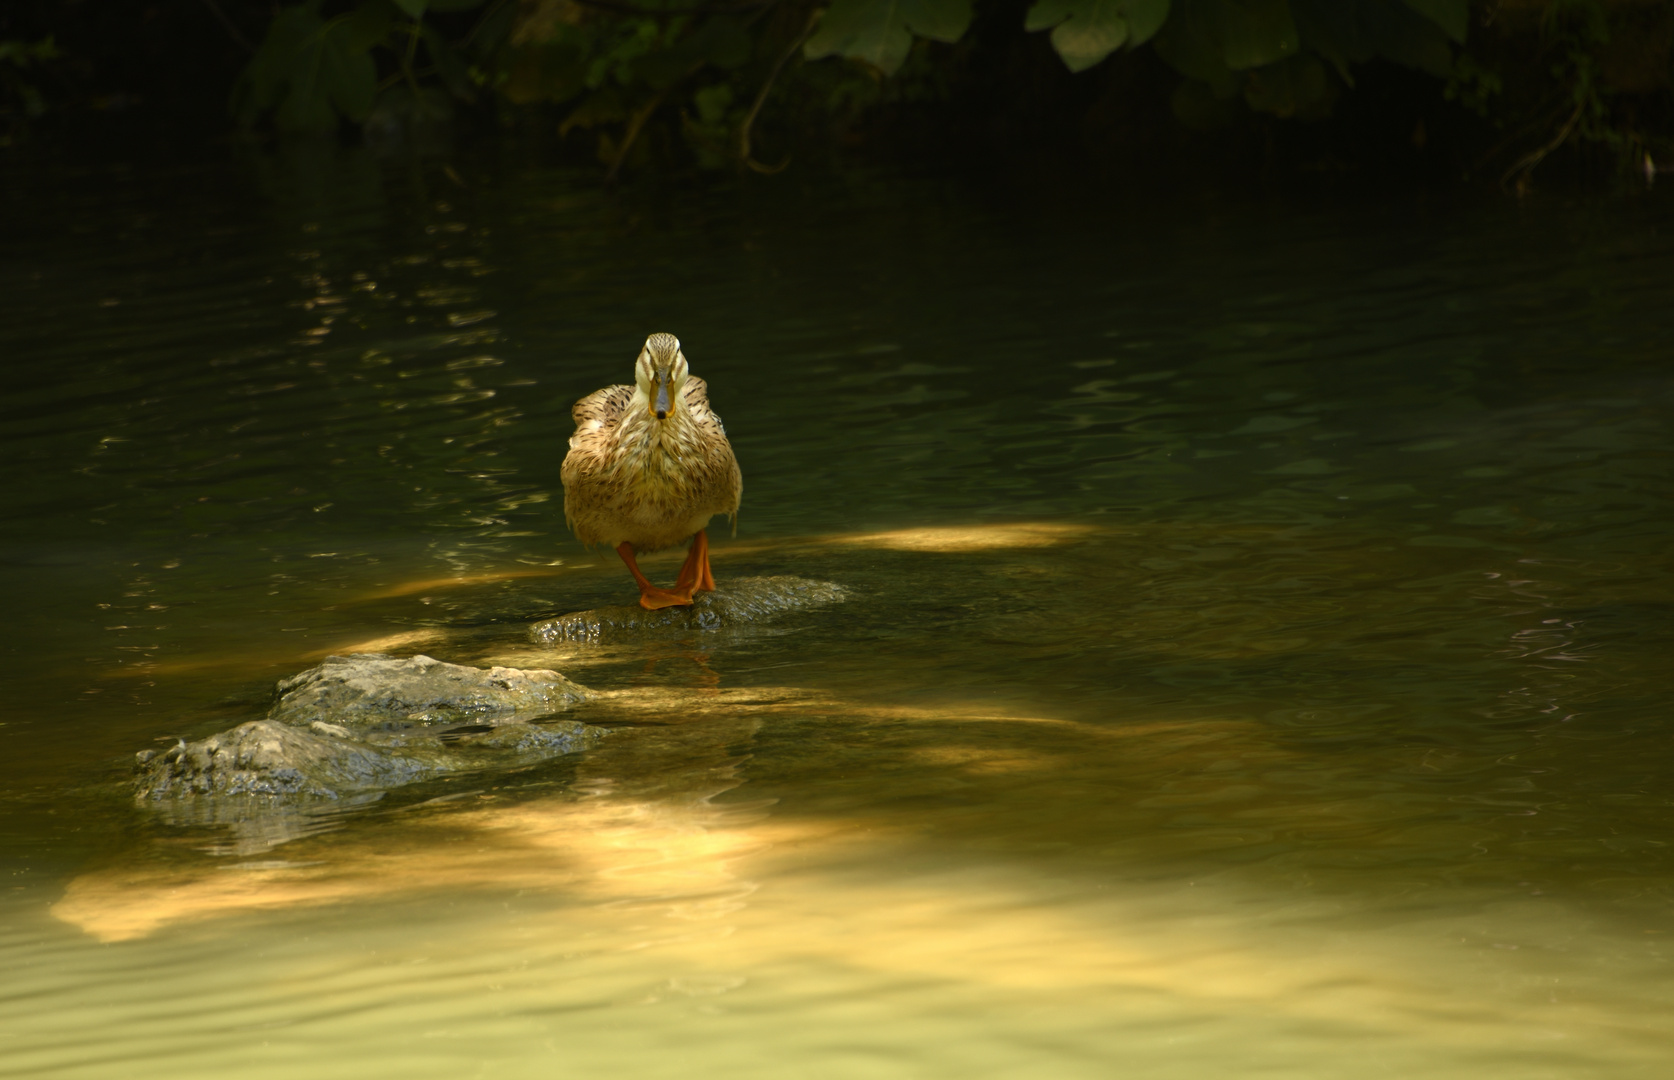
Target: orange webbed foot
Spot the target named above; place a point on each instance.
(654, 598)
(695, 575)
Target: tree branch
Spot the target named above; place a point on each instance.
(1526, 164)
(772, 77)
(634, 127)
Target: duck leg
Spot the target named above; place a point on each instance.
(706, 579)
(695, 576)
(650, 597)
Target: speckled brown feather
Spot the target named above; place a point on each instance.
(629, 477)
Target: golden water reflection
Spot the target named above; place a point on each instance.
(915, 850)
(663, 879)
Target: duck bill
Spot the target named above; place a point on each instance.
(662, 404)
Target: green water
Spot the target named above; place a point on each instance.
(1256, 663)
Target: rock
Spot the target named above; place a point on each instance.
(367, 723)
(267, 757)
(264, 757)
(373, 690)
(736, 603)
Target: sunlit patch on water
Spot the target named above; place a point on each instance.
(989, 537)
(405, 641)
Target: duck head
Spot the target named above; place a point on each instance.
(660, 376)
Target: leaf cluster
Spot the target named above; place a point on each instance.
(709, 74)
(1289, 57)
(1214, 41)
(317, 67)
(613, 64)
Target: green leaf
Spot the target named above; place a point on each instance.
(1084, 42)
(722, 40)
(1333, 29)
(366, 26)
(1418, 43)
(1087, 31)
(712, 103)
(328, 74)
(1210, 39)
(1255, 32)
(1453, 16)
(414, 8)
(313, 71)
(1349, 32)
(1188, 47)
(263, 82)
(880, 32)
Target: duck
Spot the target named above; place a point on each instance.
(649, 465)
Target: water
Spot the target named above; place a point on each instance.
(1257, 661)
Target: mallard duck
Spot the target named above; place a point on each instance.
(648, 466)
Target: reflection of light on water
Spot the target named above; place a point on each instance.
(610, 845)
(630, 855)
(639, 909)
(853, 915)
(947, 539)
(985, 537)
(1149, 877)
(986, 761)
(454, 581)
(388, 643)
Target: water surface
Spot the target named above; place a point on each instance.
(1256, 663)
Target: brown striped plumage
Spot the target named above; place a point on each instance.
(632, 477)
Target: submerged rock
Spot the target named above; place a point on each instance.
(736, 603)
(370, 722)
(266, 757)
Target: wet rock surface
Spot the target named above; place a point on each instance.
(367, 723)
(372, 690)
(734, 604)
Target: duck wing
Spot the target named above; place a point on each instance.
(723, 482)
(586, 471)
(696, 397)
(602, 408)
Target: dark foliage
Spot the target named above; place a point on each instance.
(1442, 87)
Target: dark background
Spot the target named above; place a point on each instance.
(158, 78)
